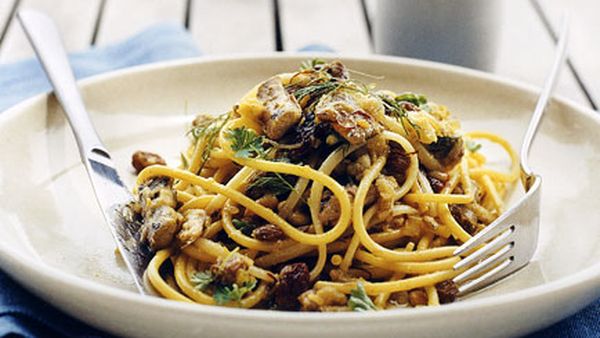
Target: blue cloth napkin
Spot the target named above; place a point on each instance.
(21, 313)
(24, 79)
(584, 324)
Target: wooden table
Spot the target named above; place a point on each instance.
(237, 26)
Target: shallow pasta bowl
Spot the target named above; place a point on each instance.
(53, 240)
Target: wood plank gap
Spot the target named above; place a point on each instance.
(277, 23)
(98, 22)
(11, 16)
(365, 9)
(188, 14)
(315, 22)
(233, 26)
(553, 34)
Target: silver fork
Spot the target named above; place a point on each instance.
(111, 193)
(508, 244)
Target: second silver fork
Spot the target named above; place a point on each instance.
(508, 244)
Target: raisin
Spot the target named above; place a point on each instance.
(268, 233)
(447, 291)
(397, 163)
(294, 279)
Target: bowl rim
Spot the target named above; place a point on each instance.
(588, 277)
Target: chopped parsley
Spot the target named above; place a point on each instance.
(246, 143)
(202, 279)
(224, 294)
(359, 300)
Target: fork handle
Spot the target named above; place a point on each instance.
(45, 39)
(542, 102)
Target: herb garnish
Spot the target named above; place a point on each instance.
(395, 110)
(224, 294)
(202, 279)
(359, 300)
(184, 160)
(246, 143)
(245, 227)
(276, 185)
(326, 83)
(311, 64)
(416, 99)
(472, 146)
(317, 89)
(209, 130)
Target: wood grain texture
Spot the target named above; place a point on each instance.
(123, 18)
(339, 24)
(75, 21)
(233, 26)
(526, 50)
(584, 46)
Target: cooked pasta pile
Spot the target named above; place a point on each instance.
(317, 192)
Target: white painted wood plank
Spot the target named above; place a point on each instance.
(75, 21)
(123, 18)
(5, 9)
(584, 47)
(339, 24)
(371, 7)
(526, 50)
(233, 26)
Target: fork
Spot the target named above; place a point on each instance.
(112, 195)
(508, 244)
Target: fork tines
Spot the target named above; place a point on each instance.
(501, 248)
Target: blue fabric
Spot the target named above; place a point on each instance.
(26, 78)
(584, 324)
(21, 313)
(316, 48)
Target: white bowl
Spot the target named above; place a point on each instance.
(54, 242)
